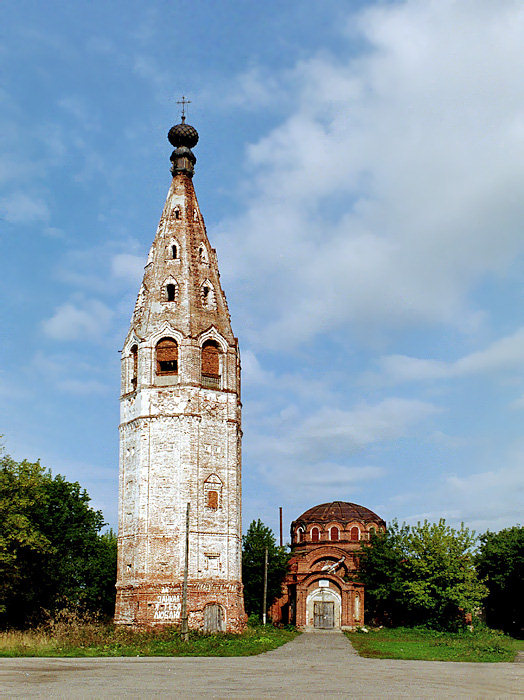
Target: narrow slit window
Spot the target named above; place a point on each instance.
(171, 292)
(167, 356)
(174, 251)
(177, 213)
(134, 366)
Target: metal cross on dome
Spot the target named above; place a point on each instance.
(183, 102)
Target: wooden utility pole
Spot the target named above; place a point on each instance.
(184, 629)
(281, 540)
(264, 603)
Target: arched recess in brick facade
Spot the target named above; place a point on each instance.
(210, 364)
(166, 356)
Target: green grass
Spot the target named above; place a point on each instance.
(482, 645)
(95, 639)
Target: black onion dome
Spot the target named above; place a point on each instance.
(338, 511)
(183, 135)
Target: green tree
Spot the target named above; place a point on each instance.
(254, 543)
(421, 575)
(24, 550)
(500, 562)
(52, 554)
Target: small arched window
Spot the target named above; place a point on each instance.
(315, 534)
(372, 531)
(171, 292)
(211, 365)
(208, 296)
(202, 254)
(177, 212)
(299, 535)
(174, 251)
(167, 356)
(334, 534)
(134, 366)
(355, 534)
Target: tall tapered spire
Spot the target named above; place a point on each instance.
(180, 426)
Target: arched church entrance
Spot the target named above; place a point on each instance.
(323, 608)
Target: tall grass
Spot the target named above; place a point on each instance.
(71, 634)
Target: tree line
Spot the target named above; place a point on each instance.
(55, 554)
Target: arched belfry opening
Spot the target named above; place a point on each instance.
(211, 364)
(167, 356)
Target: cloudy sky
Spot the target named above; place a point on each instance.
(361, 172)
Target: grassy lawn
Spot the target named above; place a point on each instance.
(95, 639)
(429, 645)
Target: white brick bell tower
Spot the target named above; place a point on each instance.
(180, 430)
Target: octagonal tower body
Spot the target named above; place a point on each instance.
(180, 429)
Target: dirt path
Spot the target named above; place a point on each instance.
(321, 665)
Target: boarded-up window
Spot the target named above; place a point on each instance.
(167, 356)
(211, 364)
(334, 534)
(212, 499)
(134, 366)
(355, 534)
(315, 534)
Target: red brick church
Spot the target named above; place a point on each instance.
(321, 589)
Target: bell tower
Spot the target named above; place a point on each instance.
(180, 427)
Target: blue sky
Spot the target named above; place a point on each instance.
(361, 172)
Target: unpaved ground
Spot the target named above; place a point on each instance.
(320, 665)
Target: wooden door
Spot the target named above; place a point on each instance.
(213, 618)
(324, 615)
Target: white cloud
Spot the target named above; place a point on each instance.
(22, 208)
(128, 267)
(392, 188)
(346, 430)
(88, 319)
(304, 453)
(502, 355)
(490, 499)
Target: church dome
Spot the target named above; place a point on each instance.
(338, 511)
(183, 135)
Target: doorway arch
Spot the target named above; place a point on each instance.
(323, 607)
